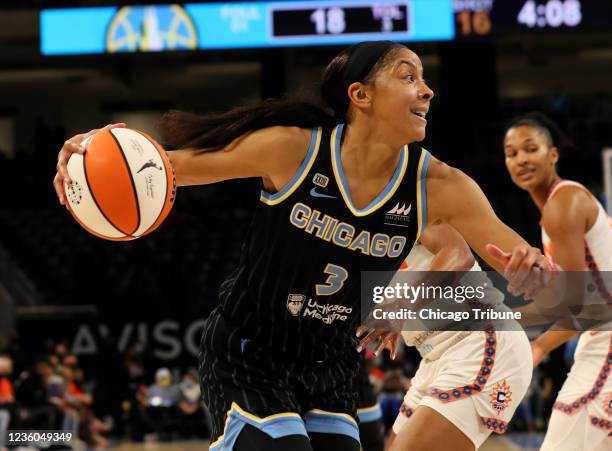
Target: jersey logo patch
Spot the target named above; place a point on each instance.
(295, 302)
(320, 180)
(501, 396)
(398, 216)
(315, 193)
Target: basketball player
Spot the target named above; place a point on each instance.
(577, 233)
(341, 194)
(453, 377)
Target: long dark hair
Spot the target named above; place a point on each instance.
(213, 131)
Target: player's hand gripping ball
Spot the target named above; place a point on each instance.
(123, 187)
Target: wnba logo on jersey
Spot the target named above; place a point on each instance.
(320, 180)
(295, 302)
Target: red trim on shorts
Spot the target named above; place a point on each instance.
(406, 410)
(601, 423)
(486, 367)
(591, 395)
(495, 424)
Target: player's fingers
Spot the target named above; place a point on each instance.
(517, 256)
(498, 254)
(365, 341)
(58, 184)
(392, 344)
(528, 279)
(386, 342)
(362, 330)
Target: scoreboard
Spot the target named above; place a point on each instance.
(260, 24)
(478, 18)
(242, 25)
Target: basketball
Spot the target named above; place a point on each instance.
(123, 187)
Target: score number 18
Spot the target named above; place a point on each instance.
(328, 20)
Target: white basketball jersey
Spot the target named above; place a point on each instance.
(598, 256)
(431, 344)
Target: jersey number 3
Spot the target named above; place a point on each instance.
(335, 281)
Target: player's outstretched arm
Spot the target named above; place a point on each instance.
(455, 198)
(273, 153)
(450, 249)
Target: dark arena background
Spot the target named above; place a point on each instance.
(114, 322)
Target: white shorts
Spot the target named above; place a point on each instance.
(582, 413)
(477, 383)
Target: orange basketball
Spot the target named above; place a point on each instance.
(123, 187)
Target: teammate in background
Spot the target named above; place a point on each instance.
(341, 194)
(449, 358)
(577, 234)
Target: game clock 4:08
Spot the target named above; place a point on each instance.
(550, 13)
(475, 18)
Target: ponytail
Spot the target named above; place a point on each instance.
(214, 131)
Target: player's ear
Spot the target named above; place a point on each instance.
(359, 95)
(554, 155)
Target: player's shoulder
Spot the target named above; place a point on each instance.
(567, 206)
(439, 171)
(567, 196)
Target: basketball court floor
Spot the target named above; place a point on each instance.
(511, 442)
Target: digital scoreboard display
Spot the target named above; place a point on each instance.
(360, 19)
(242, 25)
(474, 18)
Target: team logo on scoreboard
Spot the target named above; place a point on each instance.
(501, 396)
(151, 29)
(295, 302)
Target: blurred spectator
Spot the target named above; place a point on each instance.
(162, 404)
(37, 407)
(7, 395)
(194, 417)
(395, 386)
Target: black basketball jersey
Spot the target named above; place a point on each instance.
(297, 289)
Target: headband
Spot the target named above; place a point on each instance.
(362, 59)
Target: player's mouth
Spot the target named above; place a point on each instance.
(420, 113)
(525, 174)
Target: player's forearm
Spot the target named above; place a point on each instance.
(192, 167)
(555, 337)
(452, 259)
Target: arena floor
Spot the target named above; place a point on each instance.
(512, 442)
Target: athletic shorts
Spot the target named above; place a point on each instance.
(368, 408)
(582, 413)
(477, 383)
(244, 384)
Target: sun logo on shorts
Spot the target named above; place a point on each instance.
(607, 404)
(501, 396)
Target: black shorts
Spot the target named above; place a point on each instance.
(243, 383)
(368, 408)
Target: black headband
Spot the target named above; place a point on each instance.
(362, 59)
